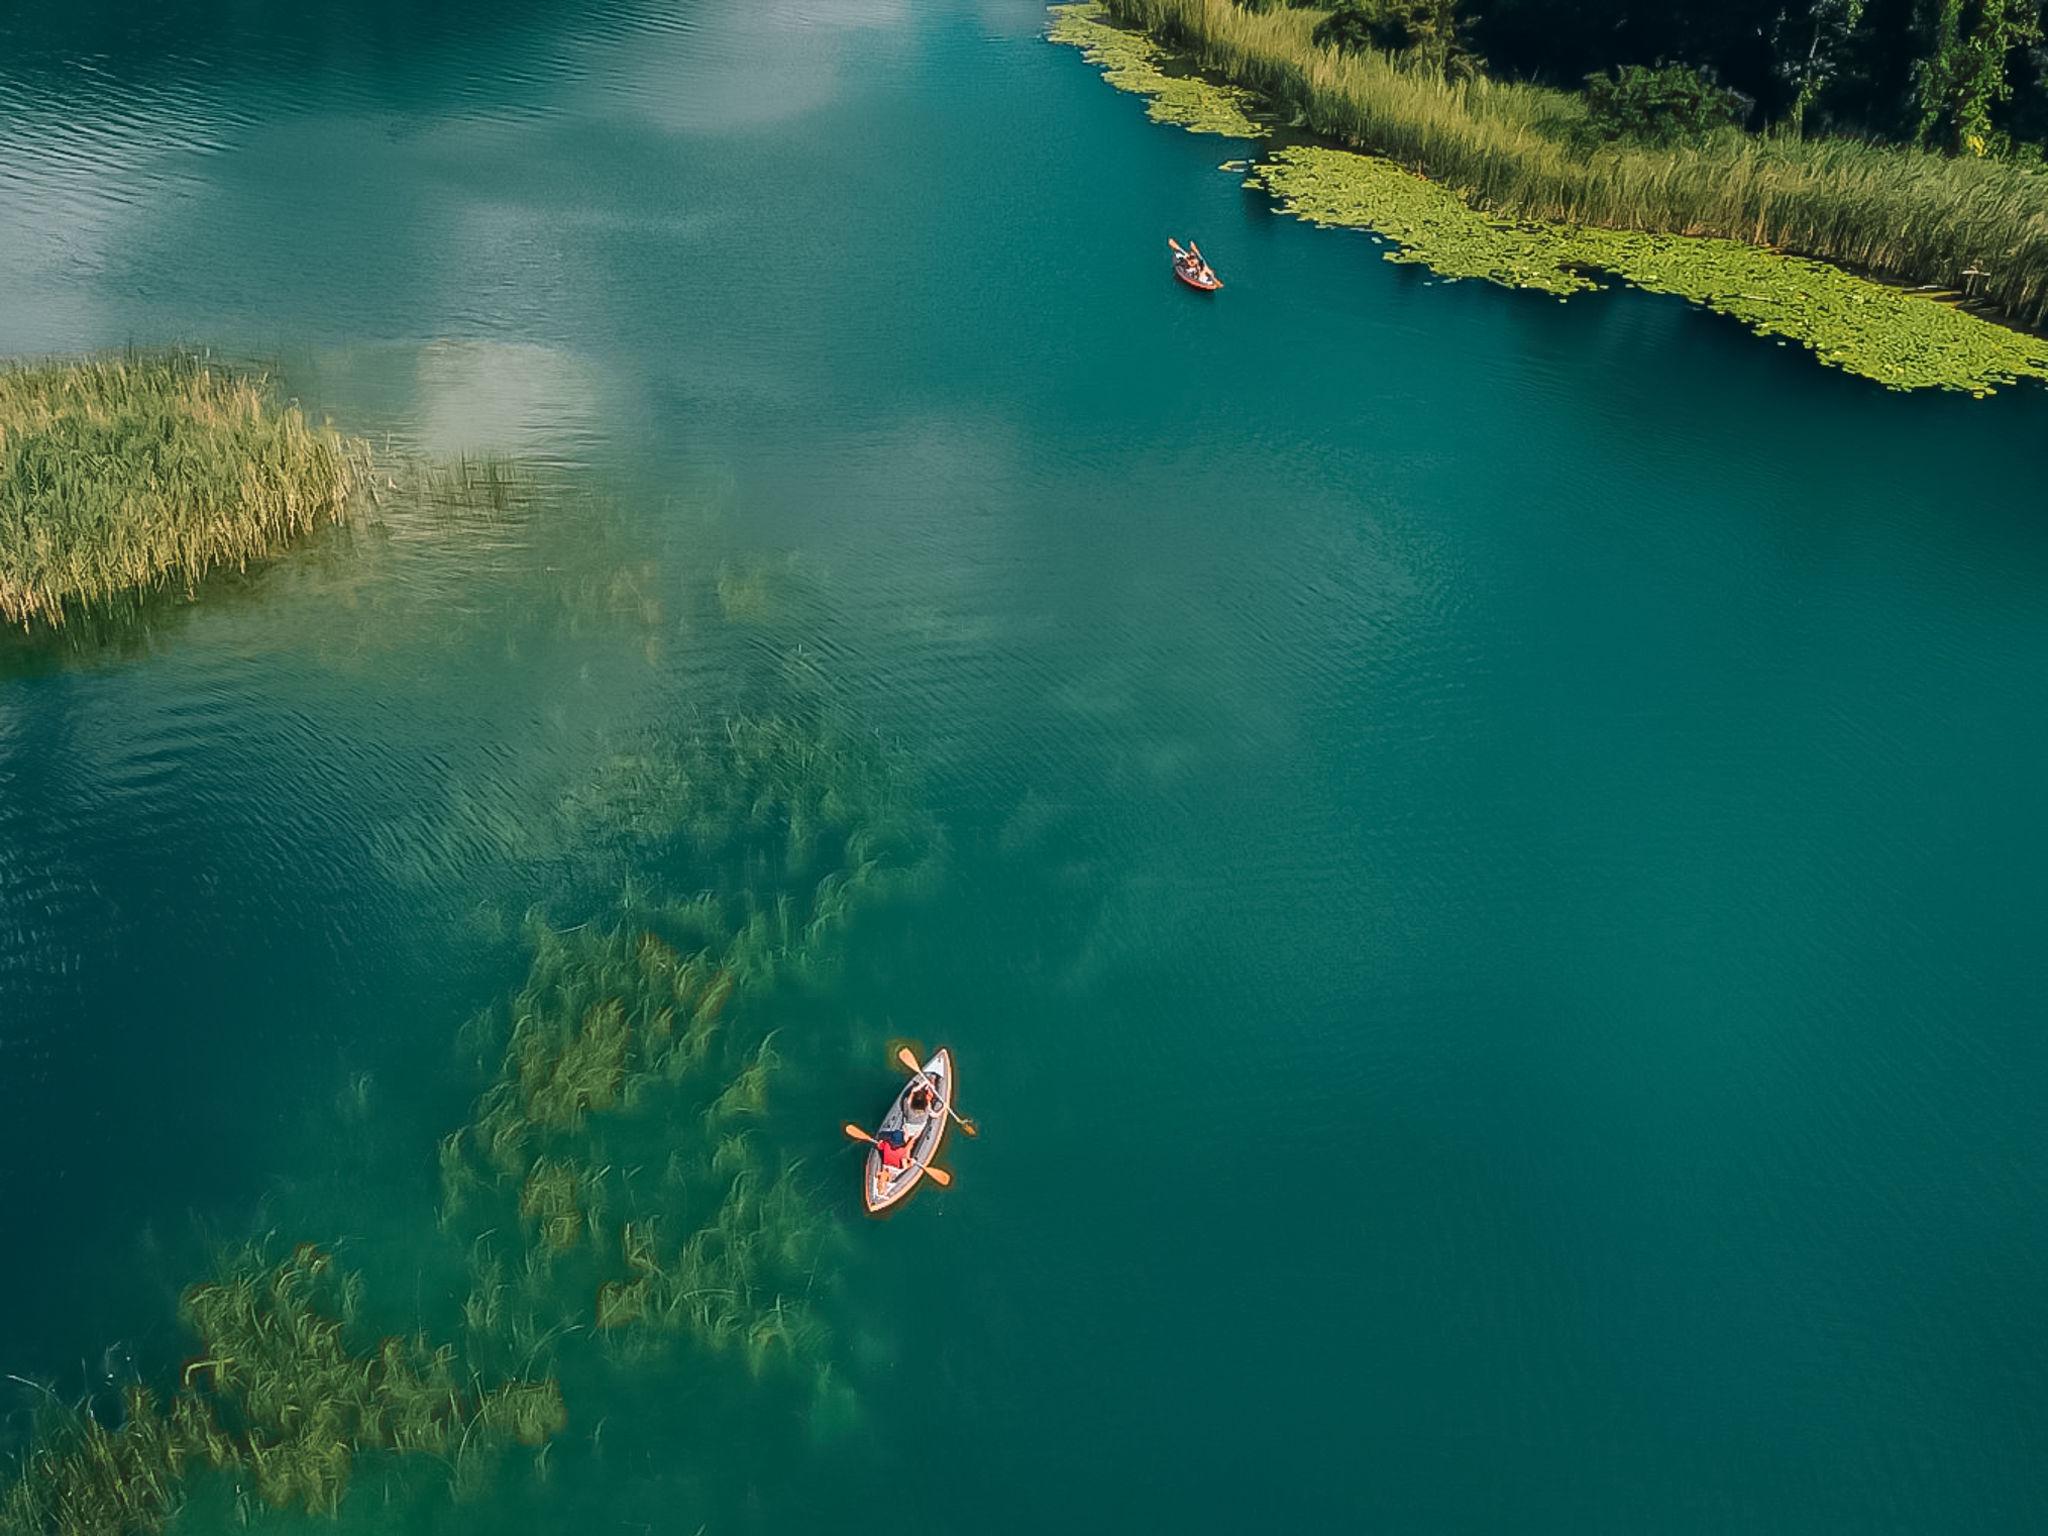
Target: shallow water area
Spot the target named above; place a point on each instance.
(1476, 855)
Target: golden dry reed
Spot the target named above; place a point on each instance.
(123, 475)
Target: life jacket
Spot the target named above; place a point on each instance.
(894, 1153)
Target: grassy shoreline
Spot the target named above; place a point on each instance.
(1909, 215)
(1900, 339)
(122, 476)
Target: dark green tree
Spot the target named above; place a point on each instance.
(1966, 76)
(1562, 41)
(1426, 32)
(1665, 104)
(1811, 43)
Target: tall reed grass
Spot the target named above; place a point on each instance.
(123, 475)
(1979, 227)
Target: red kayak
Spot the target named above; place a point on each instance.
(1191, 268)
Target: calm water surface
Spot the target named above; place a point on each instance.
(1492, 902)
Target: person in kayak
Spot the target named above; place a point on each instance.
(895, 1143)
(917, 1112)
(1195, 268)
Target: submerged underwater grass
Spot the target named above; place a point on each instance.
(123, 476)
(1899, 339)
(778, 825)
(278, 1399)
(622, 1187)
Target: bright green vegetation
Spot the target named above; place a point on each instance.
(120, 477)
(279, 1399)
(1899, 339)
(1132, 62)
(1918, 217)
(1966, 75)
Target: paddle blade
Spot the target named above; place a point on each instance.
(856, 1132)
(968, 1125)
(938, 1176)
(908, 1060)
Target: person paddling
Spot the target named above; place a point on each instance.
(918, 1109)
(1192, 267)
(896, 1142)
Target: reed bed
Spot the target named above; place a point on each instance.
(125, 476)
(1978, 227)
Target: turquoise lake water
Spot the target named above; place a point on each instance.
(1486, 854)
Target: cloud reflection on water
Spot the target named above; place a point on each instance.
(736, 66)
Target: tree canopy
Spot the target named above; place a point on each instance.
(1962, 76)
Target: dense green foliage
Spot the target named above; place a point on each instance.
(1665, 104)
(1965, 76)
(1430, 32)
(120, 476)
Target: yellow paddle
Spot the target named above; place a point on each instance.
(938, 1176)
(959, 1119)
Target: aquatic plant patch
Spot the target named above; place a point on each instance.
(278, 1399)
(125, 476)
(1131, 61)
(1430, 225)
(1898, 339)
